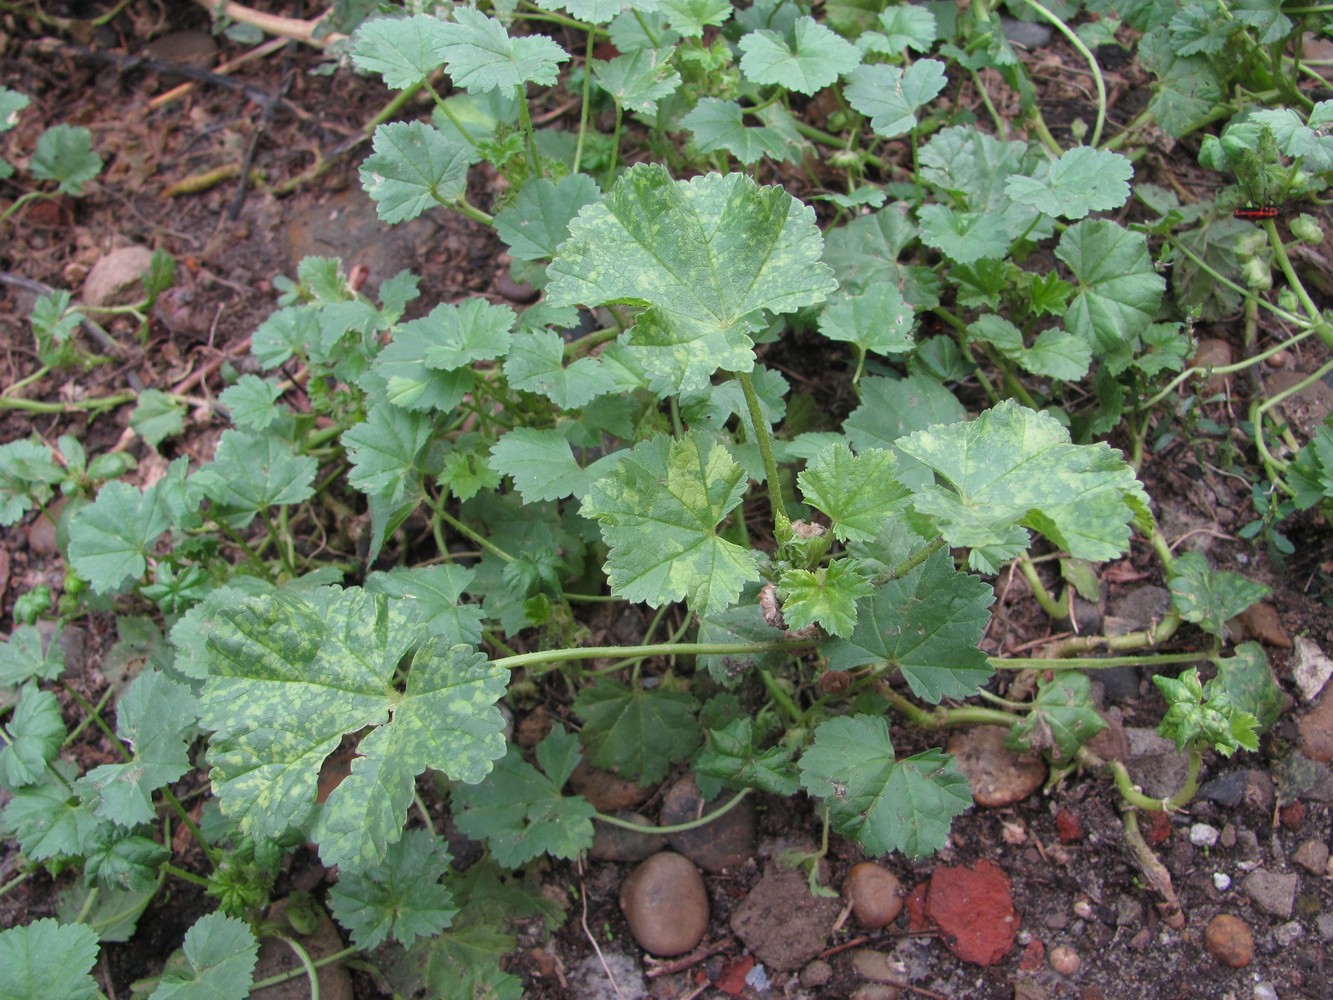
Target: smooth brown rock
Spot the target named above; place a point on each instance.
(875, 894)
(615, 843)
(1212, 353)
(116, 279)
(1065, 960)
(1228, 939)
(725, 843)
(665, 904)
(607, 792)
(998, 776)
(1316, 728)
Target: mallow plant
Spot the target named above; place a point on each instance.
(408, 522)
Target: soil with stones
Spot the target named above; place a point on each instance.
(1037, 894)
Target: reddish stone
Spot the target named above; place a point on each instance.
(1292, 815)
(917, 921)
(732, 980)
(1158, 828)
(1034, 956)
(974, 910)
(1068, 827)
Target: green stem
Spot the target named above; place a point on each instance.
(587, 101)
(1092, 663)
(525, 123)
(649, 649)
(781, 698)
(1324, 328)
(15, 882)
(1086, 53)
(96, 404)
(23, 383)
(693, 824)
(291, 974)
(944, 718)
(912, 562)
(181, 873)
(306, 965)
(764, 438)
(209, 852)
(87, 720)
(472, 535)
(1049, 604)
(98, 721)
(1151, 636)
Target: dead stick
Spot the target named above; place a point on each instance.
(272, 24)
(176, 93)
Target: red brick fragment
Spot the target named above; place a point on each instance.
(1068, 827)
(974, 911)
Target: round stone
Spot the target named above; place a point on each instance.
(665, 904)
(998, 776)
(1065, 960)
(875, 894)
(1228, 939)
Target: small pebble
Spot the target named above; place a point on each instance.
(875, 894)
(1264, 991)
(1289, 933)
(1312, 856)
(1221, 881)
(1083, 907)
(1065, 960)
(665, 904)
(1203, 835)
(817, 973)
(1228, 939)
(876, 966)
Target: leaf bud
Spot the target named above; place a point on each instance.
(1306, 229)
(847, 159)
(1257, 275)
(1286, 299)
(834, 681)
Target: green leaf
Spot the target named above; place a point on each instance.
(637, 80)
(538, 220)
(596, 11)
(154, 716)
(891, 97)
(893, 408)
(27, 472)
(742, 624)
(1245, 682)
(437, 592)
(928, 623)
(48, 820)
(110, 538)
(32, 737)
(729, 754)
(221, 952)
(1057, 354)
(11, 103)
(480, 55)
(1061, 718)
(414, 167)
(24, 656)
(542, 465)
(520, 812)
(124, 860)
(857, 492)
(462, 334)
(383, 450)
(251, 473)
(875, 320)
(1119, 290)
(46, 959)
(827, 596)
(64, 153)
(904, 26)
(964, 237)
(1206, 716)
(882, 803)
(408, 381)
(467, 471)
(719, 125)
(636, 732)
(659, 511)
(400, 898)
(289, 679)
(536, 364)
(691, 17)
(814, 60)
(1082, 180)
(1310, 474)
(404, 51)
(706, 256)
(1013, 468)
(251, 402)
(1210, 597)
(966, 163)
